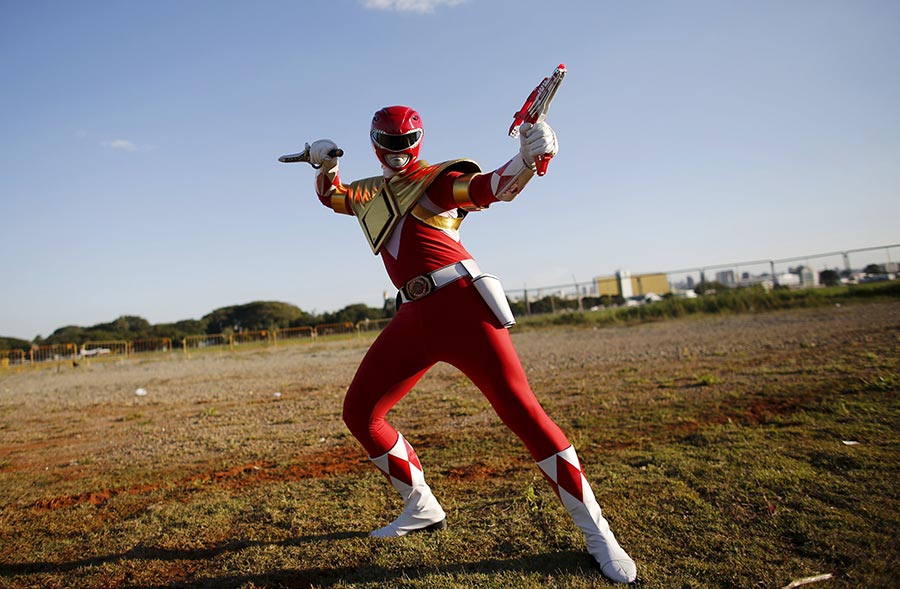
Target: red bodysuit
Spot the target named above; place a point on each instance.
(411, 219)
(453, 324)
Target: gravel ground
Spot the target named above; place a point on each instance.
(58, 425)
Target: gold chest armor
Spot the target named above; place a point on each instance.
(379, 204)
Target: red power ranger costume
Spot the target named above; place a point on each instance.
(410, 216)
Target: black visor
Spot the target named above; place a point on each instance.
(396, 142)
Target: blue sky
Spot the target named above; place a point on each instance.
(138, 141)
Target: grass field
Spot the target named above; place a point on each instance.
(741, 450)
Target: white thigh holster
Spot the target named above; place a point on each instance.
(490, 289)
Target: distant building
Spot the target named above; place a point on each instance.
(726, 277)
(764, 280)
(623, 282)
(625, 285)
(788, 279)
(808, 278)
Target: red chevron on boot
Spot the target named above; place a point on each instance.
(421, 510)
(563, 470)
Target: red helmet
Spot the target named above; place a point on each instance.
(397, 136)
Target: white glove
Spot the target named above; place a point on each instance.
(535, 140)
(318, 151)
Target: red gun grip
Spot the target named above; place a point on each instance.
(541, 162)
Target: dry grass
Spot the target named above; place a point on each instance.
(716, 446)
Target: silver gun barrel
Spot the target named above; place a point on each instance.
(303, 156)
(545, 96)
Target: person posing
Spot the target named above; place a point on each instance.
(450, 311)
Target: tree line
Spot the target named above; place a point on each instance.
(272, 315)
(255, 316)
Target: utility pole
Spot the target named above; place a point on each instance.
(578, 294)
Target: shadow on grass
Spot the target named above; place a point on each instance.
(318, 577)
(308, 577)
(167, 554)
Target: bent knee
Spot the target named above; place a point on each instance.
(356, 418)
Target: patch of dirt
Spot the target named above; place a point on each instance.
(83, 436)
(474, 472)
(323, 464)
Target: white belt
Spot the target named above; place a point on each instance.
(422, 286)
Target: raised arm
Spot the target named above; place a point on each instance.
(472, 192)
(329, 189)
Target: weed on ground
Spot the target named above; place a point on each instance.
(736, 451)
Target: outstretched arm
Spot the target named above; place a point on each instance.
(329, 189)
(472, 192)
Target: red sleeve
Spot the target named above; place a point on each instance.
(332, 193)
(441, 190)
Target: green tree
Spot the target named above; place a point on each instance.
(12, 343)
(255, 316)
(353, 314)
(713, 286)
(177, 331)
(68, 334)
(129, 324)
(829, 277)
(553, 303)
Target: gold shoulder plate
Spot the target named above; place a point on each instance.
(378, 205)
(362, 191)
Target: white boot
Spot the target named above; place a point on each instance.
(422, 511)
(564, 472)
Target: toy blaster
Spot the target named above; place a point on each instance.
(535, 109)
(303, 156)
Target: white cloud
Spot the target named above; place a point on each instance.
(120, 144)
(420, 6)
